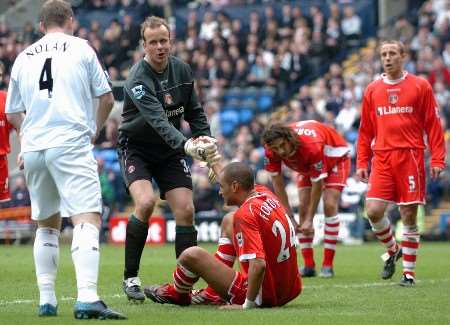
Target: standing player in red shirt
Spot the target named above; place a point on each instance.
(5, 127)
(264, 239)
(320, 156)
(398, 110)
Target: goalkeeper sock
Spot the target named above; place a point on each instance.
(86, 259)
(410, 246)
(183, 279)
(46, 257)
(136, 236)
(185, 237)
(330, 241)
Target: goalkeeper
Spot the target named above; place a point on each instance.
(159, 93)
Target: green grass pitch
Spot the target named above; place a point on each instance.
(356, 295)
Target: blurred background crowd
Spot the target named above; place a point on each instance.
(255, 62)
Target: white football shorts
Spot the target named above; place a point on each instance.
(63, 179)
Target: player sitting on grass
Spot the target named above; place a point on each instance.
(264, 240)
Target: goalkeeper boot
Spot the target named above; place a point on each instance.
(207, 297)
(307, 272)
(389, 264)
(132, 288)
(46, 310)
(166, 294)
(326, 272)
(407, 280)
(95, 310)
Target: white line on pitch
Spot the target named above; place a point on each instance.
(369, 285)
(320, 286)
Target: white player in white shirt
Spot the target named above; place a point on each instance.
(51, 102)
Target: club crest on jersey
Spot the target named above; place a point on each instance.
(318, 166)
(131, 169)
(138, 91)
(168, 99)
(240, 239)
(393, 98)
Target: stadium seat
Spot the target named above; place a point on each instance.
(232, 93)
(265, 100)
(250, 93)
(245, 116)
(229, 120)
(231, 105)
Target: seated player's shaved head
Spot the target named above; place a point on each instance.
(240, 173)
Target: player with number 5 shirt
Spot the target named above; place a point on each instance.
(398, 112)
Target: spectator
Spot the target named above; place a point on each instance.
(20, 196)
(403, 30)
(351, 27)
(106, 184)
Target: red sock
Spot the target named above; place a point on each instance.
(383, 231)
(410, 246)
(330, 241)
(183, 279)
(226, 252)
(307, 250)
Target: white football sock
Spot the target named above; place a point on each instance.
(46, 257)
(86, 258)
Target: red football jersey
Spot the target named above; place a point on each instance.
(261, 229)
(321, 148)
(4, 126)
(397, 115)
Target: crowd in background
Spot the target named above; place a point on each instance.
(280, 49)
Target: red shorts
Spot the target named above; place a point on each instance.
(398, 176)
(336, 179)
(238, 289)
(4, 188)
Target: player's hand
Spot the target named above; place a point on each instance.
(20, 161)
(212, 156)
(362, 174)
(95, 137)
(231, 307)
(212, 177)
(435, 172)
(200, 148)
(294, 223)
(307, 228)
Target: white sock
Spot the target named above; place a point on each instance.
(46, 257)
(86, 259)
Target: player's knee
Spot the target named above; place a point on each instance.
(375, 212)
(226, 227)
(145, 205)
(190, 256)
(330, 209)
(184, 212)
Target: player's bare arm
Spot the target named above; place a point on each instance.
(436, 172)
(306, 226)
(16, 120)
(105, 105)
(362, 174)
(280, 190)
(256, 271)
